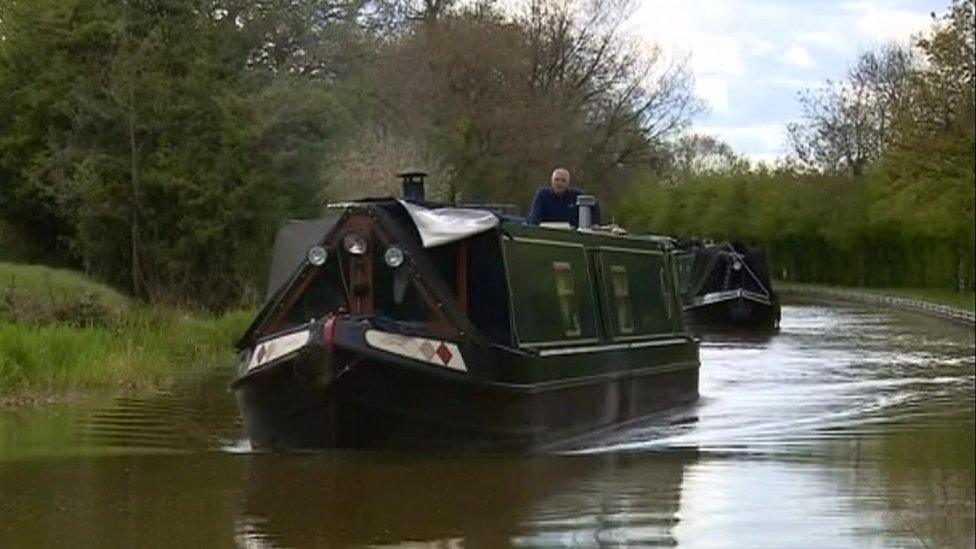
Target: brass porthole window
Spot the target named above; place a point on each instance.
(566, 293)
(621, 297)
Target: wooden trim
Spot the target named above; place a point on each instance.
(437, 322)
(278, 322)
(615, 249)
(360, 268)
(543, 242)
(559, 342)
(614, 347)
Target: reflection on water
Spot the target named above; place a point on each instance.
(850, 427)
(486, 501)
(924, 478)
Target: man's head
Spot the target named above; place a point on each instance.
(559, 180)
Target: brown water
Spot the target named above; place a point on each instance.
(852, 427)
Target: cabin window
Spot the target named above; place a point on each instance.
(552, 298)
(324, 294)
(568, 305)
(665, 291)
(621, 297)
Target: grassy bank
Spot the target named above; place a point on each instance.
(960, 300)
(62, 334)
(39, 294)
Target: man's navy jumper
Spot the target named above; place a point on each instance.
(547, 207)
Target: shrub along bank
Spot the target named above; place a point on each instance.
(61, 334)
(839, 231)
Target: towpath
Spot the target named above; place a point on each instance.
(946, 312)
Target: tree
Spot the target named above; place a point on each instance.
(847, 124)
(631, 100)
(940, 94)
(156, 143)
(146, 138)
(697, 154)
(925, 186)
(31, 189)
(318, 39)
(497, 101)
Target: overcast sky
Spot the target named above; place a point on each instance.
(751, 57)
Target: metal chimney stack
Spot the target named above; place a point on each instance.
(413, 185)
(585, 203)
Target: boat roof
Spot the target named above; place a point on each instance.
(458, 222)
(593, 237)
(433, 225)
(436, 225)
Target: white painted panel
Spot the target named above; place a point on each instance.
(278, 347)
(432, 351)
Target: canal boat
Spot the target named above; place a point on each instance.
(399, 323)
(726, 285)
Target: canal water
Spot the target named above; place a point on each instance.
(852, 427)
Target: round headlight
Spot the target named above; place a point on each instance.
(355, 244)
(317, 255)
(737, 265)
(393, 257)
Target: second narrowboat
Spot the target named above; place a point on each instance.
(726, 285)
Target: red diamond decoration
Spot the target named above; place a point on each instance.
(444, 353)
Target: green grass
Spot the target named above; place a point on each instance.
(127, 346)
(152, 349)
(38, 293)
(49, 283)
(959, 300)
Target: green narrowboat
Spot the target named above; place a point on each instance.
(396, 323)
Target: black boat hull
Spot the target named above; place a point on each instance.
(735, 313)
(385, 404)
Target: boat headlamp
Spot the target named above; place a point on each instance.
(393, 257)
(355, 244)
(317, 255)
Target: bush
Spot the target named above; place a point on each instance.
(814, 228)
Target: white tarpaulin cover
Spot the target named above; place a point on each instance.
(445, 225)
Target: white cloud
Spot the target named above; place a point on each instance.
(798, 56)
(683, 28)
(887, 25)
(765, 137)
(715, 91)
(792, 83)
(750, 57)
(716, 55)
(824, 39)
(878, 22)
(760, 46)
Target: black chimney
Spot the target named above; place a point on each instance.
(413, 185)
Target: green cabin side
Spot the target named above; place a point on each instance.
(573, 287)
